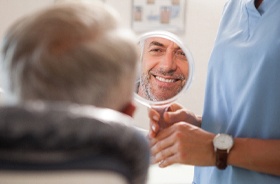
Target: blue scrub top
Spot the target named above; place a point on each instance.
(243, 84)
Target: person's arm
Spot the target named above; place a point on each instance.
(256, 154)
(188, 144)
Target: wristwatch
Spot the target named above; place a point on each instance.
(222, 145)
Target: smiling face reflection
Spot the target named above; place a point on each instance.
(164, 69)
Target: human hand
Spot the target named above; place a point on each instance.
(183, 143)
(175, 113)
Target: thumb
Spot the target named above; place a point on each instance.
(175, 117)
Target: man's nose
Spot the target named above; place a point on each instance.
(168, 62)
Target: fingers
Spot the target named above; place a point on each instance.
(162, 152)
(175, 113)
(163, 145)
(183, 143)
(156, 119)
(154, 126)
(169, 161)
(170, 145)
(174, 117)
(168, 156)
(174, 107)
(182, 115)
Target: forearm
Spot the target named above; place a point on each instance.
(256, 154)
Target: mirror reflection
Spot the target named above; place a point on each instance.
(164, 67)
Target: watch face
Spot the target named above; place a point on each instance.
(223, 141)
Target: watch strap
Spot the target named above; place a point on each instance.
(221, 159)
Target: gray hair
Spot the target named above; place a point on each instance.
(73, 52)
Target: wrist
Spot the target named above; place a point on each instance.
(222, 145)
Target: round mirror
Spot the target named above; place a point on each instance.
(165, 69)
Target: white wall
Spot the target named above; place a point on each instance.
(10, 10)
(202, 19)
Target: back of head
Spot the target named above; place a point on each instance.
(72, 52)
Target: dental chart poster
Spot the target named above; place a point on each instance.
(166, 15)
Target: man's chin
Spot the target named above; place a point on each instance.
(163, 97)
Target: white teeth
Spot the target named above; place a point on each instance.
(164, 80)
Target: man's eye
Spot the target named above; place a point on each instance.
(156, 51)
(179, 52)
(181, 55)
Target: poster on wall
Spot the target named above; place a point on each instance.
(150, 15)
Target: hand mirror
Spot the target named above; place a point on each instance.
(165, 70)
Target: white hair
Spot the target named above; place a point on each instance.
(75, 52)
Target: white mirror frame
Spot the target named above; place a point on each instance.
(178, 41)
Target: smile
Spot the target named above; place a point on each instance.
(165, 80)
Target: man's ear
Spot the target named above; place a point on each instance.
(129, 109)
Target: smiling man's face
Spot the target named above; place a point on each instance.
(165, 69)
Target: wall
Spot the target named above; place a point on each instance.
(10, 10)
(202, 19)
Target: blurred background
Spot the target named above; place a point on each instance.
(200, 21)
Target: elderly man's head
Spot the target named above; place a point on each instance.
(72, 52)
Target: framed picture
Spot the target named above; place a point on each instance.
(150, 15)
